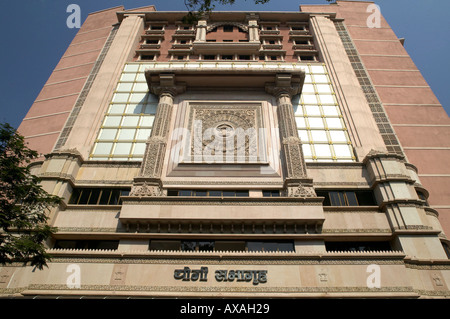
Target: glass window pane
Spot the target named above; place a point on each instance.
(338, 136)
(317, 69)
(322, 150)
(143, 133)
(130, 121)
(298, 110)
(309, 99)
(214, 193)
(185, 193)
(85, 193)
(75, 196)
(188, 245)
(94, 196)
(286, 246)
(120, 97)
(312, 110)
(138, 97)
(122, 148)
(205, 245)
(319, 136)
(150, 108)
(315, 122)
(307, 150)
(320, 78)
(131, 68)
(330, 110)
(300, 121)
(107, 134)
(140, 87)
(103, 148)
(124, 87)
(308, 88)
(308, 78)
(126, 134)
(334, 123)
(139, 149)
(255, 246)
(128, 77)
(201, 193)
(270, 246)
(134, 109)
(229, 194)
(342, 150)
(351, 199)
(335, 199)
(117, 108)
(147, 121)
(112, 121)
(104, 198)
(303, 134)
(114, 199)
(327, 99)
(323, 88)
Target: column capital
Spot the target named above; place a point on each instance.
(286, 84)
(164, 84)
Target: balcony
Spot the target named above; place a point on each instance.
(244, 48)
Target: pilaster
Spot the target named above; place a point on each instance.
(148, 183)
(297, 184)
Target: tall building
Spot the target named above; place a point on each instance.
(269, 154)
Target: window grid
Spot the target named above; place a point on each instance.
(129, 120)
(319, 121)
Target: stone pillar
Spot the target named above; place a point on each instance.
(148, 183)
(297, 184)
(253, 29)
(412, 226)
(201, 31)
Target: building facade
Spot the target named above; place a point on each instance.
(270, 154)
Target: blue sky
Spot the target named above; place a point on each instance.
(34, 35)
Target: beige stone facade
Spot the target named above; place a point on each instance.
(238, 157)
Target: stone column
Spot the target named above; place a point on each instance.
(297, 184)
(253, 30)
(201, 31)
(148, 183)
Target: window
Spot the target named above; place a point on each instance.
(358, 246)
(87, 244)
(320, 123)
(273, 57)
(209, 57)
(271, 193)
(208, 193)
(150, 41)
(422, 196)
(98, 196)
(147, 57)
(221, 245)
(244, 57)
(269, 246)
(307, 58)
(227, 57)
(156, 27)
(228, 28)
(347, 198)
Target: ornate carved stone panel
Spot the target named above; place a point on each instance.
(225, 133)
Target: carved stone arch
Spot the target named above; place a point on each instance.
(214, 25)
